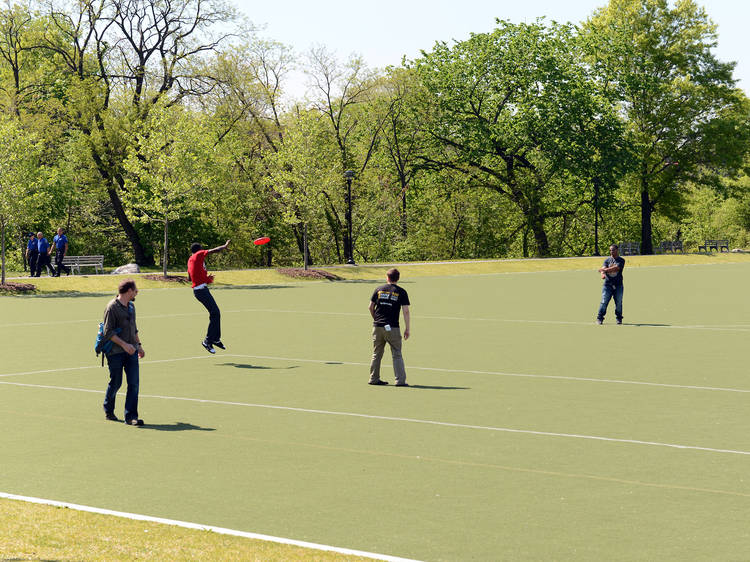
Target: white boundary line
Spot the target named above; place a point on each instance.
(434, 369)
(199, 527)
(406, 420)
(718, 327)
(98, 366)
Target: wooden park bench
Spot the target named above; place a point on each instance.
(718, 245)
(76, 262)
(671, 246)
(629, 248)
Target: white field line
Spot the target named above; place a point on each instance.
(417, 368)
(99, 366)
(407, 420)
(209, 528)
(706, 327)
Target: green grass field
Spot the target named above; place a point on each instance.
(529, 433)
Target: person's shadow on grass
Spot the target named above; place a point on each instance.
(433, 387)
(249, 366)
(177, 426)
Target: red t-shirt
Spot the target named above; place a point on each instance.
(197, 268)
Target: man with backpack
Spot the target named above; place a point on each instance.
(120, 329)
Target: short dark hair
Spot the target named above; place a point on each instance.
(393, 274)
(195, 247)
(125, 285)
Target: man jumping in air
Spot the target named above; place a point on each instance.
(201, 279)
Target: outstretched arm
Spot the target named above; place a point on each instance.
(218, 248)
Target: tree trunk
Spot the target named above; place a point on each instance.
(165, 257)
(335, 227)
(647, 208)
(306, 252)
(24, 243)
(536, 224)
(141, 258)
(2, 249)
(596, 217)
(300, 236)
(403, 212)
(525, 242)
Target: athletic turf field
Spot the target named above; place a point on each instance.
(529, 432)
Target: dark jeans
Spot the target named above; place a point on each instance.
(44, 261)
(33, 257)
(214, 315)
(117, 363)
(608, 291)
(59, 256)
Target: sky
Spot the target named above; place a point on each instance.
(383, 32)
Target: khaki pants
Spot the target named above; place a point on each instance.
(379, 338)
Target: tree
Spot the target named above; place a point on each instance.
(341, 92)
(167, 169)
(249, 110)
(19, 173)
(305, 172)
(123, 57)
(686, 119)
(402, 135)
(506, 110)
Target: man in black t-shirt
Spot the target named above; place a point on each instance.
(612, 274)
(386, 304)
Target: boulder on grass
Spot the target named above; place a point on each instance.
(128, 268)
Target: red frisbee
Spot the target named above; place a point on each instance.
(261, 241)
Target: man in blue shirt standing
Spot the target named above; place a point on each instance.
(43, 260)
(612, 274)
(32, 254)
(61, 250)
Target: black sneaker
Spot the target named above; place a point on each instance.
(208, 347)
(110, 416)
(378, 382)
(599, 321)
(619, 320)
(402, 384)
(219, 345)
(134, 421)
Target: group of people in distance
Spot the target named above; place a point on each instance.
(386, 304)
(39, 254)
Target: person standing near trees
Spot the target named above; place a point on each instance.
(612, 274)
(385, 308)
(201, 279)
(32, 254)
(60, 241)
(120, 328)
(43, 260)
